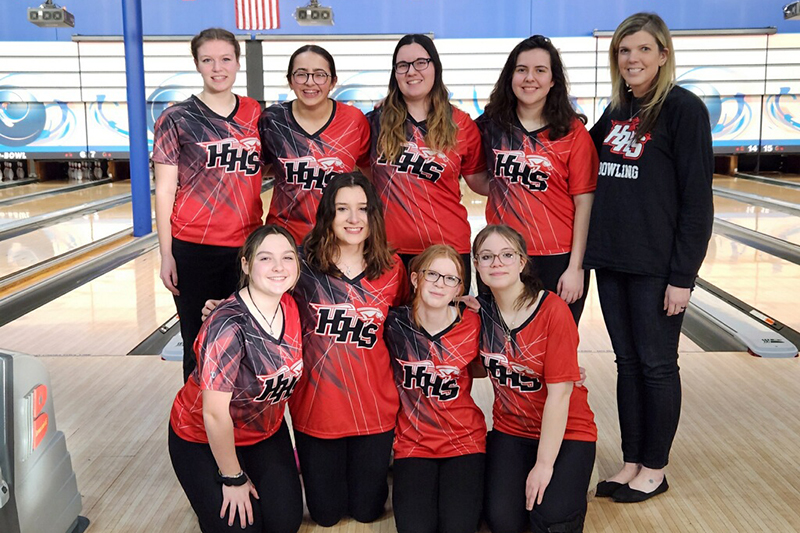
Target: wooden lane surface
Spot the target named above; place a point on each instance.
(40, 206)
(30, 188)
(764, 220)
(30, 248)
(734, 465)
(776, 192)
(766, 282)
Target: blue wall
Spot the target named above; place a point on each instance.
(444, 18)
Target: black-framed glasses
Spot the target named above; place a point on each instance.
(319, 76)
(432, 276)
(486, 259)
(420, 64)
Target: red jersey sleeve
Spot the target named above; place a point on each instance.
(362, 125)
(219, 349)
(583, 162)
(166, 146)
(403, 295)
(470, 149)
(561, 354)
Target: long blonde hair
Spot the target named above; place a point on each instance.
(665, 79)
(441, 127)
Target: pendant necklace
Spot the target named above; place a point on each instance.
(274, 316)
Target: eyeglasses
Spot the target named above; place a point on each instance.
(432, 276)
(420, 64)
(319, 77)
(486, 259)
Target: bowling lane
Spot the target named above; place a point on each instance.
(764, 220)
(45, 243)
(107, 316)
(768, 283)
(776, 192)
(57, 202)
(30, 188)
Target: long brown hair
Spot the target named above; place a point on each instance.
(423, 261)
(254, 240)
(655, 97)
(442, 130)
(321, 248)
(558, 112)
(531, 284)
(214, 34)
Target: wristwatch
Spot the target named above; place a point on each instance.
(232, 481)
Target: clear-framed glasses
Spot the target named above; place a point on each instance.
(506, 257)
(420, 64)
(432, 276)
(319, 76)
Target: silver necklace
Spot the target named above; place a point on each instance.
(274, 316)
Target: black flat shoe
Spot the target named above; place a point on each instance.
(626, 494)
(606, 489)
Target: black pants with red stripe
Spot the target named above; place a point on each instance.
(204, 272)
(438, 495)
(345, 476)
(269, 464)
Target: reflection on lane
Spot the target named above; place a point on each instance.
(767, 221)
(776, 192)
(30, 188)
(767, 283)
(42, 206)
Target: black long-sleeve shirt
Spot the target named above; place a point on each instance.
(653, 208)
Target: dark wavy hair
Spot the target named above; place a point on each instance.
(254, 240)
(442, 130)
(214, 34)
(532, 285)
(558, 111)
(321, 248)
(316, 50)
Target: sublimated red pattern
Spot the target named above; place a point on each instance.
(347, 387)
(438, 417)
(304, 163)
(234, 354)
(521, 362)
(420, 191)
(218, 201)
(533, 180)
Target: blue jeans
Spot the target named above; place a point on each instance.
(645, 342)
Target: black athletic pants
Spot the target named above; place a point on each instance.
(269, 464)
(345, 476)
(438, 495)
(465, 258)
(204, 272)
(549, 268)
(509, 459)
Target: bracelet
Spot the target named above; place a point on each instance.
(232, 481)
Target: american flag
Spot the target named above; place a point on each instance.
(257, 14)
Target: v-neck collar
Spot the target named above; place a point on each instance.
(303, 130)
(210, 111)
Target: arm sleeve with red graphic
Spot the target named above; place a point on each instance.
(362, 156)
(561, 355)
(403, 295)
(583, 162)
(470, 148)
(166, 146)
(219, 347)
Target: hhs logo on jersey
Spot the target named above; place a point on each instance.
(234, 155)
(622, 141)
(312, 173)
(346, 324)
(508, 374)
(434, 381)
(529, 170)
(421, 162)
(279, 385)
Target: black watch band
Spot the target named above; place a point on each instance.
(235, 481)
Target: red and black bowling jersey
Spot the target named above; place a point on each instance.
(438, 417)
(219, 170)
(347, 388)
(420, 191)
(521, 362)
(304, 163)
(236, 355)
(533, 179)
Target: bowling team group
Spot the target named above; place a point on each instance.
(351, 304)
